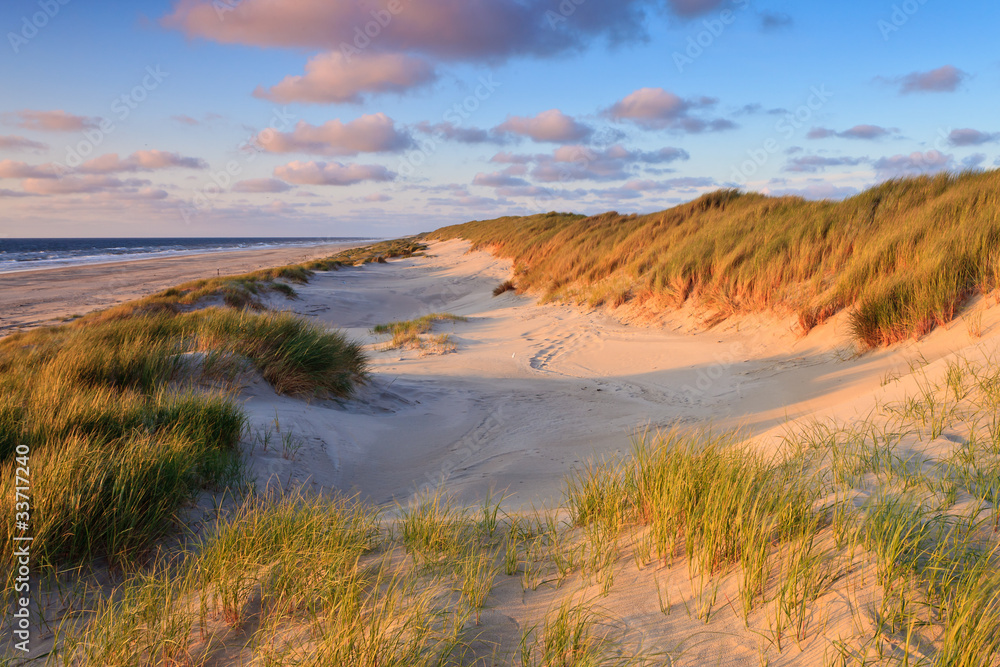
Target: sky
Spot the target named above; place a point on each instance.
(388, 117)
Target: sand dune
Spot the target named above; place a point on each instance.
(534, 390)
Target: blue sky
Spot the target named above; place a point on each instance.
(152, 118)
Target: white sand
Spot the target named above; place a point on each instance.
(534, 390)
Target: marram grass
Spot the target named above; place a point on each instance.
(902, 256)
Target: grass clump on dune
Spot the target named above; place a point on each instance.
(903, 255)
(119, 430)
(409, 334)
(374, 253)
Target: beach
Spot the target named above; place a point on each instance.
(508, 402)
(533, 391)
(36, 297)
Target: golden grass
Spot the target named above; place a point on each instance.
(903, 256)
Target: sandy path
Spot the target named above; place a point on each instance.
(535, 390)
(30, 298)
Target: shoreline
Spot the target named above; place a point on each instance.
(46, 296)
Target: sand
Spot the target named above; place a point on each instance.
(45, 296)
(532, 392)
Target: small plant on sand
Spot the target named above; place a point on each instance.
(410, 334)
(505, 286)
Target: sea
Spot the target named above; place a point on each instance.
(32, 254)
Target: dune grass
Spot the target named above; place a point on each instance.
(374, 253)
(284, 580)
(903, 256)
(410, 334)
(122, 429)
(505, 286)
(126, 412)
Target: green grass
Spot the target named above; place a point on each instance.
(121, 427)
(374, 253)
(282, 581)
(409, 334)
(929, 243)
(126, 412)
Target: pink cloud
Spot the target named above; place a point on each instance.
(73, 185)
(914, 163)
(941, 80)
(970, 137)
(552, 125)
(449, 29)
(147, 160)
(452, 132)
(498, 180)
(13, 142)
(334, 78)
(373, 133)
(15, 169)
(331, 173)
(50, 121)
(656, 108)
(261, 185)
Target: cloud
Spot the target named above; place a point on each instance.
(50, 121)
(15, 169)
(914, 163)
(656, 108)
(690, 8)
(865, 132)
(775, 20)
(372, 133)
(500, 179)
(377, 197)
(148, 160)
(333, 78)
(261, 185)
(941, 80)
(464, 135)
(13, 142)
(571, 163)
(577, 162)
(636, 188)
(184, 119)
(974, 160)
(331, 173)
(814, 163)
(445, 29)
(552, 126)
(76, 184)
(969, 137)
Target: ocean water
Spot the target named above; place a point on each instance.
(32, 254)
